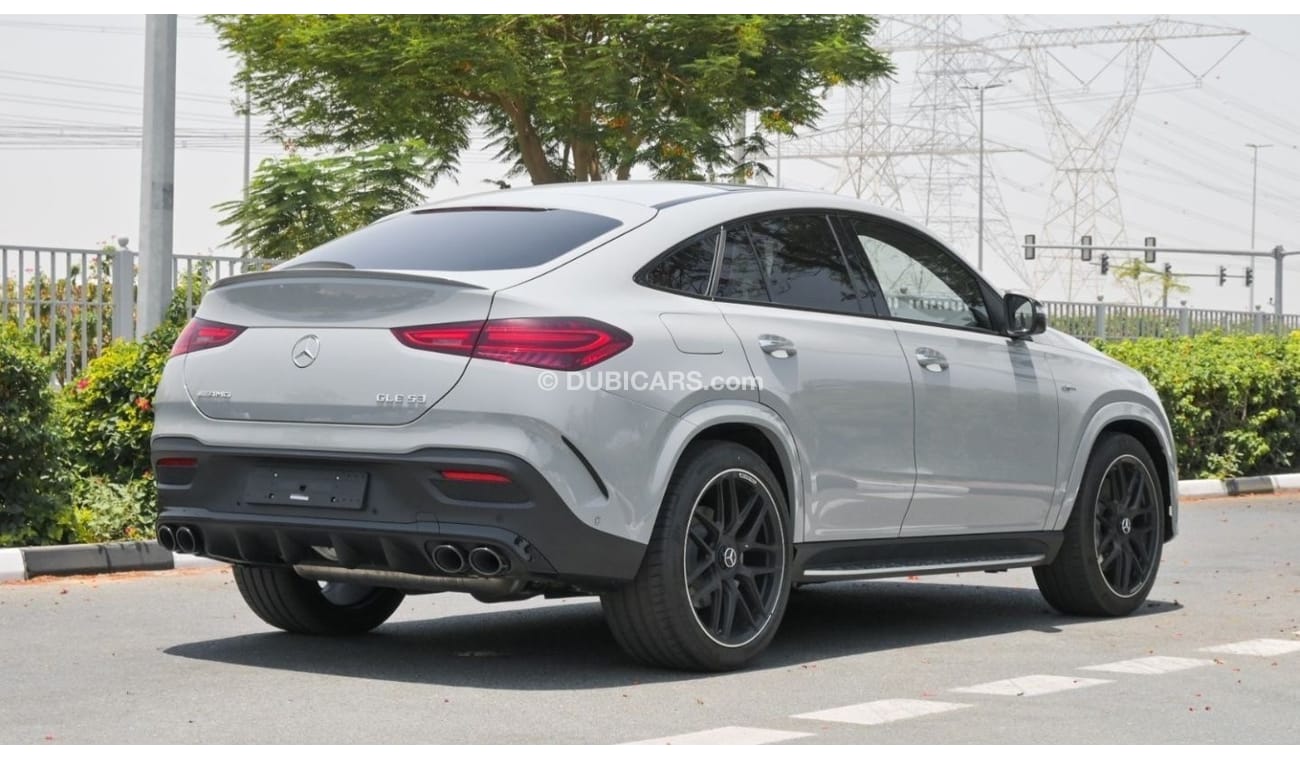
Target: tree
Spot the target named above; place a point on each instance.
(298, 203)
(565, 97)
(1137, 278)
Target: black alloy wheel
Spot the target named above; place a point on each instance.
(734, 558)
(1127, 532)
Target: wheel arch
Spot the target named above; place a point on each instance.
(1149, 428)
(749, 424)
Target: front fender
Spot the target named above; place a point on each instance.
(1106, 414)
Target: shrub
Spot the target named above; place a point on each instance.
(107, 411)
(1232, 400)
(107, 511)
(33, 482)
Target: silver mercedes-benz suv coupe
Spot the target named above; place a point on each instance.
(687, 399)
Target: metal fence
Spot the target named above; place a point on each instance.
(65, 299)
(1109, 321)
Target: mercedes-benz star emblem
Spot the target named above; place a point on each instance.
(1126, 526)
(305, 351)
(729, 557)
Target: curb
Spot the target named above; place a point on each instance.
(83, 559)
(1239, 486)
(86, 559)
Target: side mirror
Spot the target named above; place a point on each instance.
(1025, 315)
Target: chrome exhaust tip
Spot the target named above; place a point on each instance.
(486, 561)
(448, 559)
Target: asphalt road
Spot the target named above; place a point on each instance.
(175, 657)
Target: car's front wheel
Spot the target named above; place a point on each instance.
(1113, 539)
(714, 583)
(295, 604)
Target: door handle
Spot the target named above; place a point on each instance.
(931, 360)
(776, 346)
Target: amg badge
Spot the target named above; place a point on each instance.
(400, 399)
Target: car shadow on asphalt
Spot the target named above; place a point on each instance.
(567, 646)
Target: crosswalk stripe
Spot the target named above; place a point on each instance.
(881, 711)
(729, 735)
(1151, 665)
(1030, 686)
(1257, 647)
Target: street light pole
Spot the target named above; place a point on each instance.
(979, 245)
(1254, 188)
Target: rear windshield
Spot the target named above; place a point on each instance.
(461, 240)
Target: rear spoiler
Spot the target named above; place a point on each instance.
(326, 273)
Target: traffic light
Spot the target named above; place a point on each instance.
(1150, 253)
(1105, 263)
(1029, 247)
(1169, 269)
(1223, 276)
(1085, 248)
(1250, 276)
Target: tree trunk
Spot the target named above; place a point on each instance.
(531, 151)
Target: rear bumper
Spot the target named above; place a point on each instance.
(409, 507)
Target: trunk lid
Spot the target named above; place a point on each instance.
(318, 346)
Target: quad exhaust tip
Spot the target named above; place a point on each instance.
(448, 558)
(166, 538)
(486, 561)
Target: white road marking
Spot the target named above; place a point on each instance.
(1030, 686)
(1257, 647)
(729, 735)
(881, 711)
(1151, 665)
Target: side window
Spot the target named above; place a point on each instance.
(920, 280)
(687, 269)
(788, 260)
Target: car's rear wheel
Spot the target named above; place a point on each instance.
(714, 583)
(295, 604)
(1113, 540)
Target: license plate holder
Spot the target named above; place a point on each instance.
(306, 487)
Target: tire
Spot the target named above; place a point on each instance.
(295, 604)
(1113, 540)
(722, 538)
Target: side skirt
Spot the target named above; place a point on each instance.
(888, 558)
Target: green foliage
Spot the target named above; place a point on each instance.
(33, 485)
(1232, 400)
(297, 203)
(568, 97)
(107, 411)
(107, 511)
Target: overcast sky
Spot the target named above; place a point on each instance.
(70, 99)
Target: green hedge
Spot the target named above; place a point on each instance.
(1232, 400)
(33, 475)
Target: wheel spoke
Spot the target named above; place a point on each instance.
(751, 599)
(1134, 492)
(752, 508)
(730, 507)
(729, 599)
(701, 596)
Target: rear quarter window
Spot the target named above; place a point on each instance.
(462, 240)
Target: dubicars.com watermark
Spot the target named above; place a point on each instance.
(674, 380)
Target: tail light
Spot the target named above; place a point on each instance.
(563, 343)
(200, 334)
